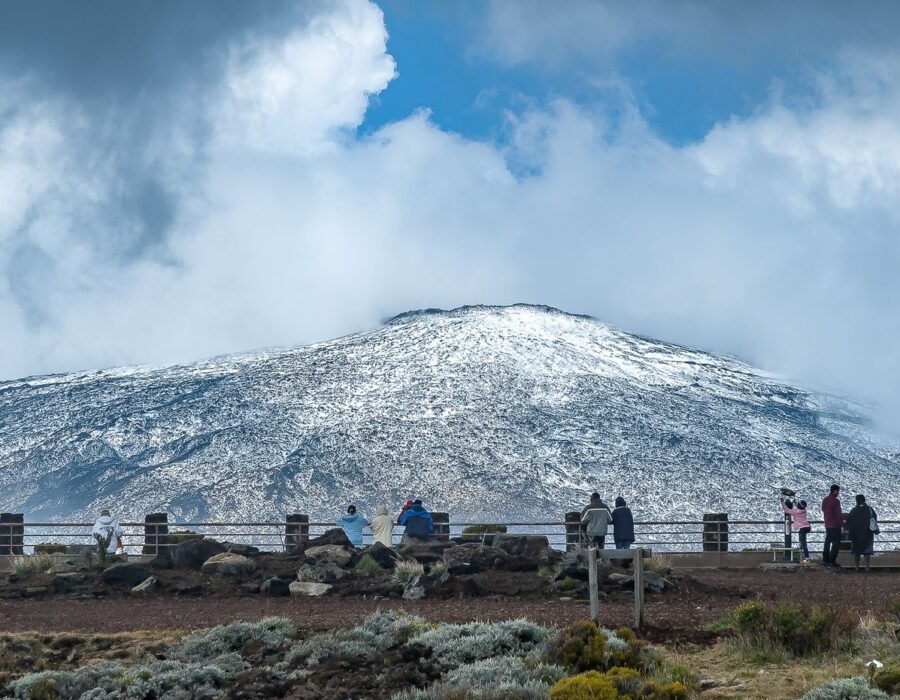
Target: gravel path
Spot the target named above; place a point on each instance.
(703, 596)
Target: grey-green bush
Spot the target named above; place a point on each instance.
(268, 634)
(847, 689)
(455, 645)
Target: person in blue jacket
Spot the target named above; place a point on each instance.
(418, 522)
(623, 525)
(352, 524)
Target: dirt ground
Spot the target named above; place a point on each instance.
(703, 596)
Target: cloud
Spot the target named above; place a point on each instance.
(774, 237)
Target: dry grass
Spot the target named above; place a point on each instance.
(32, 565)
(659, 563)
(29, 652)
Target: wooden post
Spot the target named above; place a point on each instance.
(441, 526)
(573, 530)
(638, 562)
(156, 533)
(12, 533)
(296, 531)
(592, 585)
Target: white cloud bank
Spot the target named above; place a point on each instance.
(775, 237)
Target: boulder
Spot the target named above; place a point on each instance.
(385, 556)
(652, 582)
(144, 587)
(329, 554)
(192, 554)
(228, 564)
(333, 536)
(321, 573)
(67, 581)
(35, 591)
(186, 588)
(308, 588)
(245, 550)
(471, 558)
(414, 588)
(423, 553)
(275, 587)
(510, 583)
(535, 547)
(127, 574)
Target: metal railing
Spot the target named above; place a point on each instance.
(673, 536)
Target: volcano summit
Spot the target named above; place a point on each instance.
(487, 412)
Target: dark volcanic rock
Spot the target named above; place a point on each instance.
(128, 574)
(275, 587)
(471, 558)
(384, 556)
(511, 583)
(333, 536)
(67, 581)
(194, 553)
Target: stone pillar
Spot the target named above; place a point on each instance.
(156, 534)
(715, 532)
(12, 533)
(441, 526)
(573, 530)
(296, 531)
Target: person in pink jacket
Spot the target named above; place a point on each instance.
(797, 511)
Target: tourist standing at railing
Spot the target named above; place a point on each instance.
(862, 522)
(834, 521)
(797, 511)
(418, 522)
(623, 525)
(406, 507)
(595, 519)
(107, 530)
(382, 525)
(352, 524)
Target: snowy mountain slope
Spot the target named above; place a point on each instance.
(483, 411)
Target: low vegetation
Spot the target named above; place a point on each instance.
(406, 570)
(26, 567)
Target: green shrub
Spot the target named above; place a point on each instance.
(455, 645)
(367, 565)
(591, 685)
(266, 635)
(846, 689)
(580, 646)
(793, 629)
(437, 569)
(888, 680)
(50, 548)
(32, 565)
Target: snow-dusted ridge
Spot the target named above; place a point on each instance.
(489, 412)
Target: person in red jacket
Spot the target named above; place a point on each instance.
(834, 521)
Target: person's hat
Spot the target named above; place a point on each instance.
(105, 511)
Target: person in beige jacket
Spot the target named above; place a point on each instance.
(382, 525)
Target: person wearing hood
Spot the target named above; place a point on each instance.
(797, 511)
(623, 525)
(352, 524)
(418, 522)
(108, 532)
(595, 518)
(382, 525)
(862, 522)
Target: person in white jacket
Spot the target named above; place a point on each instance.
(107, 529)
(382, 525)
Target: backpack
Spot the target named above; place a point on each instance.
(873, 523)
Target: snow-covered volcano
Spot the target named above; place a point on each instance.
(488, 412)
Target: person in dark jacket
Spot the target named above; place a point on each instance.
(418, 522)
(862, 522)
(595, 519)
(623, 525)
(834, 521)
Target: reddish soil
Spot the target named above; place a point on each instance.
(703, 596)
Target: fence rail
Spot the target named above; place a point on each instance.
(674, 536)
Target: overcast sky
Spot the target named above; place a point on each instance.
(184, 179)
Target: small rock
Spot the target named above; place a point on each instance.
(227, 564)
(145, 586)
(245, 550)
(184, 588)
(127, 574)
(329, 554)
(414, 589)
(275, 587)
(249, 588)
(34, 591)
(67, 581)
(321, 573)
(308, 588)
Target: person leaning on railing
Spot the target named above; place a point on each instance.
(108, 533)
(595, 518)
(797, 510)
